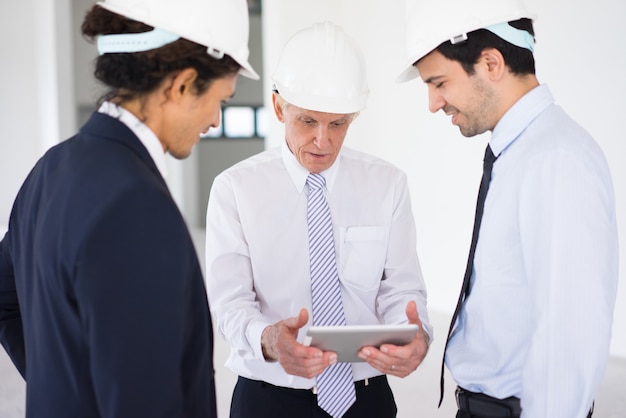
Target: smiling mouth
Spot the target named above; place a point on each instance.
(453, 113)
(454, 116)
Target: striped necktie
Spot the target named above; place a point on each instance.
(335, 386)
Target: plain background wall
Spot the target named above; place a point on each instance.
(578, 56)
(34, 72)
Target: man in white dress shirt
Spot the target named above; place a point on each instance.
(257, 250)
(532, 336)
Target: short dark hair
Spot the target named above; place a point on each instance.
(129, 75)
(519, 60)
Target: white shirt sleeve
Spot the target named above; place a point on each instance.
(230, 288)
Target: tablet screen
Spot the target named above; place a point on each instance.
(347, 340)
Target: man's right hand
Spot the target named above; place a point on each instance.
(279, 344)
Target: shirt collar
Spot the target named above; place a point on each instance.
(141, 130)
(518, 117)
(299, 174)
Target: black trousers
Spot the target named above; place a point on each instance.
(465, 414)
(255, 399)
(479, 405)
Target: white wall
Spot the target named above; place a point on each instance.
(577, 56)
(36, 87)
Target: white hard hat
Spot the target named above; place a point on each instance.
(221, 25)
(321, 68)
(430, 23)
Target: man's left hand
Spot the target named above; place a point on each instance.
(402, 360)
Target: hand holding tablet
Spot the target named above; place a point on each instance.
(347, 340)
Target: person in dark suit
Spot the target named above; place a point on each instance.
(103, 308)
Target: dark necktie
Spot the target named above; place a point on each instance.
(465, 289)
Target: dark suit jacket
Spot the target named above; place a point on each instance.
(103, 307)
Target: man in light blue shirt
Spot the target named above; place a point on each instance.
(532, 335)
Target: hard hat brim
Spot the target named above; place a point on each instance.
(247, 70)
(408, 74)
(323, 103)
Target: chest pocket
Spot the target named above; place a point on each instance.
(362, 254)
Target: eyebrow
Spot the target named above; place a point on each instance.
(344, 119)
(432, 79)
(308, 116)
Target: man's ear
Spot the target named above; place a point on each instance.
(183, 83)
(278, 109)
(493, 63)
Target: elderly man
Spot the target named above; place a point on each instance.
(268, 218)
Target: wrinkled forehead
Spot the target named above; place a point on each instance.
(318, 116)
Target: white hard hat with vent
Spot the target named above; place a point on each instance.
(321, 68)
(220, 25)
(430, 23)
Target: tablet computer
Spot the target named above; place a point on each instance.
(347, 340)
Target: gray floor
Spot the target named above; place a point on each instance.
(416, 395)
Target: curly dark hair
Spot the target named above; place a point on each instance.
(130, 75)
(519, 60)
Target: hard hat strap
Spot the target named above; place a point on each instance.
(515, 36)
(518, 37)
(135, 42)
